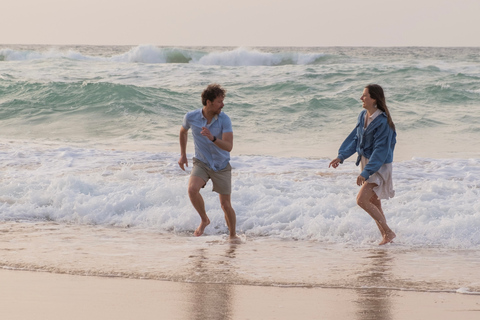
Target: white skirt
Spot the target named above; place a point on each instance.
(382, 178)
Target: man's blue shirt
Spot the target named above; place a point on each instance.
(205, 150)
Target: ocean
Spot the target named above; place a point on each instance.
(89, 180)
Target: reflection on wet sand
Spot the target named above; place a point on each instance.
(212, 294)
(374, 302)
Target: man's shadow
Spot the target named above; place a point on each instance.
(212, 294)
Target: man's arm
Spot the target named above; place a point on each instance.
(224, 143)
(183, 148)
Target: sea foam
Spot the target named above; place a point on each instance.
(291, 198)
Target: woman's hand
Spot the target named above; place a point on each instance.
(335, 163)
(360, 180)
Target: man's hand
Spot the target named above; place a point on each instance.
(183, 161)
(206, 133)
(183, 148)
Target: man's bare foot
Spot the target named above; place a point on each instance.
(235, 239)
(201, 228)
(387, 238)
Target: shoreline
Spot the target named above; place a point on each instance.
(26, 294)
(132, 253)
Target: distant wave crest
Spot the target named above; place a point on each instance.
(248, 57)
(152, 54)
(25, 55)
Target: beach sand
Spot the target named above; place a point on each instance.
(40, 295)
(57, 271)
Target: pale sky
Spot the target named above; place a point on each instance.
(242, 22)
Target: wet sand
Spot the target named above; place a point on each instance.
(142, 254)
(56, 271)
(39, 295)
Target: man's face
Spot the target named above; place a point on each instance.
(216, 105)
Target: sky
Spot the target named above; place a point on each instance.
(242, 22)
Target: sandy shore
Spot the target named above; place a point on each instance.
(40, 295)
(93, 272)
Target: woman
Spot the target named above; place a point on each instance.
(374, 140)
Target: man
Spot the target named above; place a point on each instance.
(213, 140)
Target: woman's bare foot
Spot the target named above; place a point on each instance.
(387, 238)
(201, 228)
(235, 239)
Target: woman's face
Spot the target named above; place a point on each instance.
(368, 102)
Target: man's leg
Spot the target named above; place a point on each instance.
(230, 217)
(194, 185)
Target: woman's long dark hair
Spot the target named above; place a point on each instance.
(376, 92)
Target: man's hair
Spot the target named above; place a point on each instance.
(212, 92)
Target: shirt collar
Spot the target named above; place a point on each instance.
(375, 114)
(369, 119)
(215, 117)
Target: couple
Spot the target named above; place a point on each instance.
(373, 138)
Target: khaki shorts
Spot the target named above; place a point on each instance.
(222, 180)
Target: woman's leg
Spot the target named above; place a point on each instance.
(377, 203)
(368, 201)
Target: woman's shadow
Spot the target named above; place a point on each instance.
(374, 301)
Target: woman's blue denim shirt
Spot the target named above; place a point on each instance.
(376, 143)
